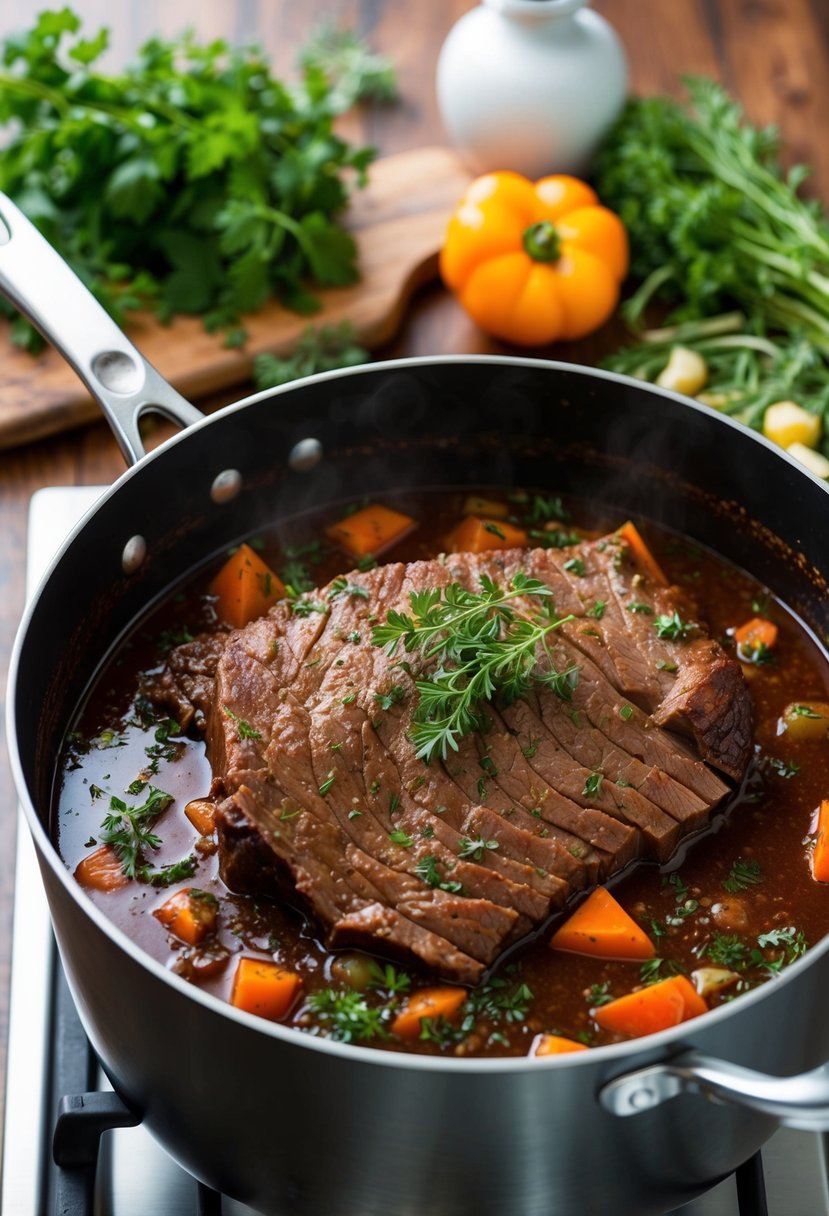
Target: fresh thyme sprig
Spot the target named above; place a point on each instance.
(480, 645)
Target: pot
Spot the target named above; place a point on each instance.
(293, 1124)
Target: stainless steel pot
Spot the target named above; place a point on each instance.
(293, 1124)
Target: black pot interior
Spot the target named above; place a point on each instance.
(418, 424)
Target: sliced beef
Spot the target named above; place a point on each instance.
(447, 863)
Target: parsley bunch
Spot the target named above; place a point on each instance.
(193, 182)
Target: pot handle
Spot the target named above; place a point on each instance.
(801, 1102)
(35, 278)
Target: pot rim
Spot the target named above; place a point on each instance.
(655, 1044)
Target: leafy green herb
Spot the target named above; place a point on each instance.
(367, 562)
(243, 728)
(388, 980)
(673, 627)
(656, 969)
(427, 869)
(165, 876)
(327, 783)
(597, 611)
(802, 711)
(742, 875)
(727, 950)
(477, 644)
(642, 609)
(626, 713)
(562, 683)
(341, 586)
(542, 510)
(352, 72)
(305, 607)
(575, 566)
(128, 828)
(598, 995)
(193, 181)
(401, 838)
(475, 848)
(347, 1016)
(715, 224)
(666, 665)
(593, 785)
(320, 349)
(495, 530)
(393, 696)
(757, 653)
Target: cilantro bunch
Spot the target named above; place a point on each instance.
(192, 182)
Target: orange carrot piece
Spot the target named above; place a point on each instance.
(189, 914)
(427, 1003)
(554, 1045)
(648, 1010)
(476, 534)
(820, 853)
(755, 633)
(371, 530)
(600, 926)
(641, 554)
(245, 587)
(101, 870)
(200, 812)
(264, 988)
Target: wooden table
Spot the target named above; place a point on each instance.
(774, 54)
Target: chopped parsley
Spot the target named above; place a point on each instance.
(243, 728)
(347, 1016)
(127, 829)
(427, 870)
(742, 875)
(626, 712)
(593, 785)
(392, 696)
(575, 566)
(673, 627)
(642, 609)
(474, 849)
(402, 838)
(598, 609)
(328, 782)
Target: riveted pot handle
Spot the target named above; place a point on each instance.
(801, 1102)
(35, 278)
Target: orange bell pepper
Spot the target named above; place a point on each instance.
(534, 263)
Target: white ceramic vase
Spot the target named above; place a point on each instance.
(530, 85)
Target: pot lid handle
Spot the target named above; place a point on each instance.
(801, 1101)
(37, 281)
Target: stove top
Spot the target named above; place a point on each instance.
(50, 1064)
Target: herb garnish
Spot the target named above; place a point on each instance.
(427, 870)
(243, 728)
(480, 645)
(127, 828)
(742, 875)
(673, 627)
(475, 848)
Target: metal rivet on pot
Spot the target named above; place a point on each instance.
(305, 454)
(226, 485)
(118, 371)
(132, 558)
(641, 1099)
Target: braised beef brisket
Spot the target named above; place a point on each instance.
(308, 722)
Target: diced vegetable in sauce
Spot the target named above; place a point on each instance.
(665, 946)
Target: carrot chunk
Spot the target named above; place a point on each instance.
(190, 914)
(820, 853)
(101, 870)
(264, 988)
(602, 927)
(371, 530)
(554, 1045)
(648, 1010)
(245, 588)
(201, 813)
(753, 634)
(427, 1003)
(641, 554)
(475, 534)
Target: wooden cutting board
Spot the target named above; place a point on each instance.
(398, 221)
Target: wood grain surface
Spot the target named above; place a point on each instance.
(774, 54)
(398, 222)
